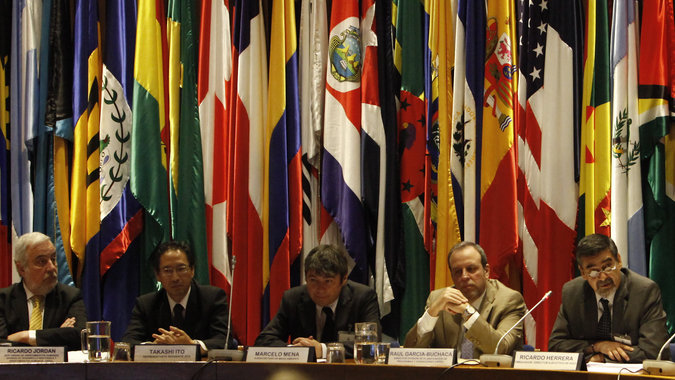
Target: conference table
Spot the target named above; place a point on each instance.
(276, 371)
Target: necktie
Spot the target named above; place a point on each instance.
(605, 322)
(36, 316)
(177, 319)
(329, 333)
(467, 348)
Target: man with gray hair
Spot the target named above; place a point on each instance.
(609, 312)
(39, 311)
(325, 308)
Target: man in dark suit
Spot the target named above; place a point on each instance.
(472, 315)
(182, 312)
(325, 308)
(39, 311)
(609, 312)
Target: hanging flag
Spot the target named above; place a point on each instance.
(341, 190)
(549, 67)
(187, 182)
(374, 157)
(312, 52)
(5, 202)
(246, 193)
(85, 188)
(657, 145)
(408, 58)
(498, 199)
(594, 183)
(467, 115)
(627, 228)
(121, 214)
(282, 204)
(390, 89)
(438, 92)
(148, 173)
(41, 160)
(23, 108)
(56, 119)
(215, 73)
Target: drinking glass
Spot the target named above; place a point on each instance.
(96, 341)
(383, 352)
(365, 342)
(335, 353)
(121, 353)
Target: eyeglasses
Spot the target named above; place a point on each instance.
(596, 273)
(180, 270)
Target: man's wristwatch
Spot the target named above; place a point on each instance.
(469, 311)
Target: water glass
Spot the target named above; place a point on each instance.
(365, 352)
(122, 352)
(335, 353)
(96, 341)
(383, 352)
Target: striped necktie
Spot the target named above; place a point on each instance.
(36, 316)
(466, 347)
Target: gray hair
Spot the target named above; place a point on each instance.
(25, 242)
(593, 244)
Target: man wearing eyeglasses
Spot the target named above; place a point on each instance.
(40, 311)
(182, 312)
(609, 313)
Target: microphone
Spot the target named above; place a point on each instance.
(658, 366)
(497, 360)
(228, 354)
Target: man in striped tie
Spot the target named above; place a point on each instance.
(473, 314)
(39, 311)
(609, 313)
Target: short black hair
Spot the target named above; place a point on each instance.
(172, 246)
(593, 244)
(463, 244)
(327, 260)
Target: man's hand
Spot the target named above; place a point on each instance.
(19, 337)
(598, 358)
(451, 300)
(309, 342)
(613, 350)
(69, 322)
(172, 336)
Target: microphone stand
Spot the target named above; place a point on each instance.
(503, 360)
(228, 354)
(658, 366)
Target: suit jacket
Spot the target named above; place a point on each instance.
(296, 316)
(637, 312)
(500, 309)
(205, 316)
(61, 303)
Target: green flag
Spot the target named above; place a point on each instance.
(148, 176)
(187, 181)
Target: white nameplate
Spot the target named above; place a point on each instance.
(32, 354)
(562, 361)
(167, 353)
(277, 354)
(422, 357)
